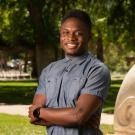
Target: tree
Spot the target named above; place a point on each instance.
(122, 21)
(34, 25)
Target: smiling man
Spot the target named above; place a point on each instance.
(71, 91)
(74, 37)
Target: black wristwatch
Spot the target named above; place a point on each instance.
(36, 113)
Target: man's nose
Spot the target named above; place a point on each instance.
(71, 36)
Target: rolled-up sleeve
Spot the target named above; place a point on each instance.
(98, 82)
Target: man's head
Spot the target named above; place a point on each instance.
(75, 32)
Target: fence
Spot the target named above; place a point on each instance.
(14, 75)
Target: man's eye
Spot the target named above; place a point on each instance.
(78, 33)
(64, 33)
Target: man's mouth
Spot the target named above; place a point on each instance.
(71, 45)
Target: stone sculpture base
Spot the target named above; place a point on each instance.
(124, 114)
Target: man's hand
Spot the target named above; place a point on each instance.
(38, 101)
(36, 121)
(31, 116)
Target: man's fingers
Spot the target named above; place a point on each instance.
(31, 109)
(30, 114)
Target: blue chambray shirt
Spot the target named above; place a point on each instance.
(63, 81)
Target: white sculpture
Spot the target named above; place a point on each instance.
(124, 114)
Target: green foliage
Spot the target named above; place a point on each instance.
(122, 18)
(115, 20)
(115, 58)
(15, 22)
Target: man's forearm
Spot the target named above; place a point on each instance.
(86, 105)
(62, 116)
(68, 117)
(93, 121)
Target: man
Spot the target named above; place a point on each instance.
(71, 91)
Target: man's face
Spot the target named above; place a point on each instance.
(74, 37)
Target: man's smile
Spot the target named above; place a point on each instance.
(71, 45)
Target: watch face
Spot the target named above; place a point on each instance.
(36, 113)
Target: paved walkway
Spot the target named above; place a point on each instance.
(23, 110)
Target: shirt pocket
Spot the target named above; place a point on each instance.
(75, 86)
(51, 87)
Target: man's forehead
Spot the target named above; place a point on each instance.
(72, 24)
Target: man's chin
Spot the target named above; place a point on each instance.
(73, 53)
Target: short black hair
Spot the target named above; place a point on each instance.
(79, 14)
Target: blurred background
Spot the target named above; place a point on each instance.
(29, 34)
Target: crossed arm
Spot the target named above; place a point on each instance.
(82, 114)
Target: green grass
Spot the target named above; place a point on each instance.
(107, 129)
(16, 95)
(27, 83)
(19, 125)
(17, 92)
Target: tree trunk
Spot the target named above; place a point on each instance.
(64, 3)
(25, 61)
(100, 54)
(42, 50)
(43, 57)
(3, 60)
(34, 65)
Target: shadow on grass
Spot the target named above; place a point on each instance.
(16, 94)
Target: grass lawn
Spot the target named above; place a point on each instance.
(19, 125)
(17, 92)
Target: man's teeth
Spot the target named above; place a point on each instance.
(71, 44)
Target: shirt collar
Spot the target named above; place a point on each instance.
(76, 59)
